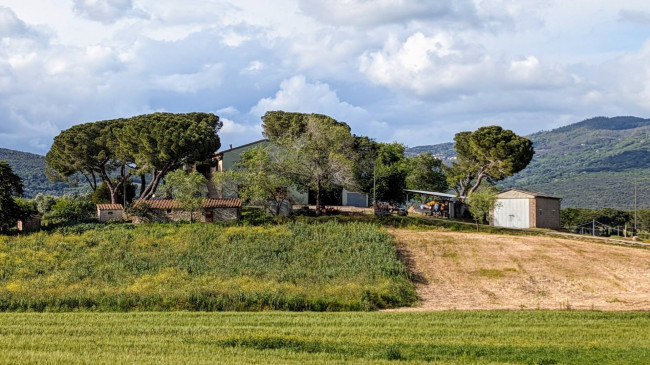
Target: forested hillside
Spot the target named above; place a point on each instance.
(31, 169)
(590, 164)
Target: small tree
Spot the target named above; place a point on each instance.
(188, 189)
(481, 202)
(259, 179)
(44, 203)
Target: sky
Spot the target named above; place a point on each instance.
(415, 72)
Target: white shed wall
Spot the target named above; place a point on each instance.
(512, 213)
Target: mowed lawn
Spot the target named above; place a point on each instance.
(483, 337)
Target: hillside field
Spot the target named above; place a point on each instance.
(295, 266)
(499, 337)
(477, 271)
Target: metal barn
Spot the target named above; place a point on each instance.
(525, 209)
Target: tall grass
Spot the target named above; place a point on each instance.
(296, 266)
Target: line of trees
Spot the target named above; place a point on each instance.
(318, 153)
(307, 152)
(113, 151)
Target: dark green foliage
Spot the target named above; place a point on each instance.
(391, 170)
(489, 153)
(279, 124)
(207, 267)
(571, 217)
(10, 186)
(364, 162)
(27, 208)
(425, 172)
(71, 208)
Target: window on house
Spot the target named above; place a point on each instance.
(110, 213)
(169, 211)
(540, 212)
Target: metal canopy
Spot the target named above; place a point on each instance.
(433, 193)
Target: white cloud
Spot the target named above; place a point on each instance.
(236, 134)
(381, 12)
(106, 11)
(443, 65)
(208, 77)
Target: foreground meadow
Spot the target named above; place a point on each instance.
(528, 337)
(295, 266)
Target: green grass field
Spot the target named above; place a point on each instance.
(531, 337)
(295, 266)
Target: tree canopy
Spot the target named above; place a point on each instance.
(318, 149)
(489, 153)
(426, 172)
(112, 151)
(10, 186)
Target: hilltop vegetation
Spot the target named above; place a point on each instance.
(320, 267)
(31, 169)
(590, 164)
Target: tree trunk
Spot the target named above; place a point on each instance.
(318, 198)
(143, 184)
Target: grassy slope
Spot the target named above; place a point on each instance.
(534, 337)
(328, 266)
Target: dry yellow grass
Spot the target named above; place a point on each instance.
(485, 271)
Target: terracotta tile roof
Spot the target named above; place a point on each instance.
(207, 203)
(110, 206)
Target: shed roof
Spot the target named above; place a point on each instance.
(207, 203)
(516, 193)
(110, 207)
(433, 193)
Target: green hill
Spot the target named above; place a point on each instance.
(590, 164)
(31, 169)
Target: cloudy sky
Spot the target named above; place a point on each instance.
(415, 71)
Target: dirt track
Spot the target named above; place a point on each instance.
(484, 271)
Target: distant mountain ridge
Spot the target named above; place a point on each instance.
(31, 169)
(590, 164)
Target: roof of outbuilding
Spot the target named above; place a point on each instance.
(532, 193)
(110, 206)
(207, 203)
